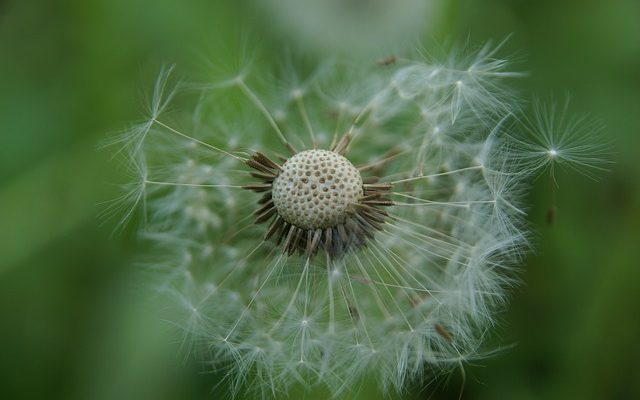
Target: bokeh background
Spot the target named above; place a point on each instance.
(73, 324)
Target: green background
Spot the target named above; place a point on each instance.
(72, 324)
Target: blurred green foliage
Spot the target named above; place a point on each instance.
(72, 320)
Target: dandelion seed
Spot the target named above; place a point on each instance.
(554, 137)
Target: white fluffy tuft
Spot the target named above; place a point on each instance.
(420, 296)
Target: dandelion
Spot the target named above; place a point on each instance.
(363, 222)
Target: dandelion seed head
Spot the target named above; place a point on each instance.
(371, 232)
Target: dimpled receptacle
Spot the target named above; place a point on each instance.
(315, 189)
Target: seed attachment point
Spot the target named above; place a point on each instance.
(317, 200)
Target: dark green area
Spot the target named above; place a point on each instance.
(71, 324)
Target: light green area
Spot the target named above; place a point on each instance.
(72, 323)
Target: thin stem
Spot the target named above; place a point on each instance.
(275, 266)
(191, 184)
(415, 178)
(263, 109)
(307, 122)
(200, 142)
